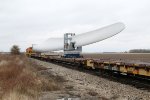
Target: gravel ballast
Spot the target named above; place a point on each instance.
(83, 86)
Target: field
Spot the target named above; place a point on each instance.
(139, 57)
(25, 78)
(21, 79)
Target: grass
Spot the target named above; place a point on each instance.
(19, 79)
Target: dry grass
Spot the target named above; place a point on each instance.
(19, 79)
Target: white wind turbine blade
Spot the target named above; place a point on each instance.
(98, 35)
(54, 44)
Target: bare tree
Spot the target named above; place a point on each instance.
(15, 50)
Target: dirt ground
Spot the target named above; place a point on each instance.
(139, 57)
(78, 85)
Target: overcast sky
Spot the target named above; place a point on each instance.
(27, 22)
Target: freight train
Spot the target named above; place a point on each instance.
(113, 66)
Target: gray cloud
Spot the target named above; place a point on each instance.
(26, 22)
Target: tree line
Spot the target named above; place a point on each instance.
(139, 51)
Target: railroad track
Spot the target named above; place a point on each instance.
(140, 83)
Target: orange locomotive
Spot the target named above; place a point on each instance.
(30, 52)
